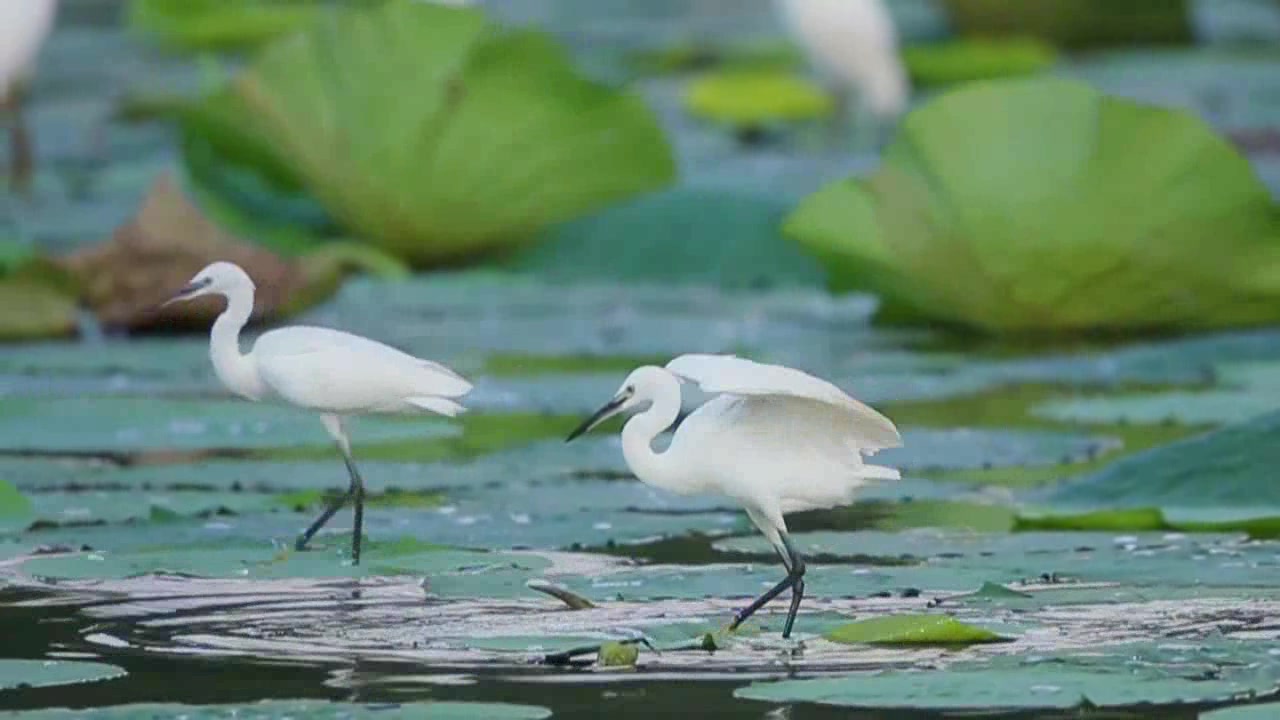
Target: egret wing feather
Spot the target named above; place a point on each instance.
(334, 371)
(729, 374)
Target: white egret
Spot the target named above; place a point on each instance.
(24, 27)
(334, 373)
(854, 45)
(775, 439)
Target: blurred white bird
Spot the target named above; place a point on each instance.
(775, 439)
(331, 372)
(24, 27)
(854, 45)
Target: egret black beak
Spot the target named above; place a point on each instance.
(188, 291)
(609, 410)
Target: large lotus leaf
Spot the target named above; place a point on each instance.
(435, 135)
(299, 710)
(1044, 205)
(43, 673)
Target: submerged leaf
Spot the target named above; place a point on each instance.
(616, 654)
(15, 508)
(976, 59)
(299, 710)
(490, 138)
(912, 630)
(1033, 206)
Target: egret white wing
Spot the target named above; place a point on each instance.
(339, 372)
(775, 449)
(733, 375)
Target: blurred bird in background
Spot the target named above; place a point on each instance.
(24, 27)
(853, 44)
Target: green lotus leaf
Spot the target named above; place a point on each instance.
(911, 629)
(432, 133)
(1042, 205)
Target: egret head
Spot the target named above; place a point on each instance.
(219, 277)
(639, 388)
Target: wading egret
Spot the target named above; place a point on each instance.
(774, 439)
(331, 372)
(854, 45)
(24, 26)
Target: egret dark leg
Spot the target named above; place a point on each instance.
(21, 152)
(794, 580)
(355, 491)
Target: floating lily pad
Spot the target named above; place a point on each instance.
(744, 98)
(301, 710)
(1264, 711)
(1007, 686)
(116, 425)
(474, 571)
(911, 630)
(44, 673)
(960, 561)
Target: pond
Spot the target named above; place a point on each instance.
(1084, 529)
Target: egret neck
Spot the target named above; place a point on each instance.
(638, 435)
(234, 369)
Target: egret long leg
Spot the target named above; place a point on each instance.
(354, 490)
(794, 580)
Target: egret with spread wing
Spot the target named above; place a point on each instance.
(334, 373)
(774, 439)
